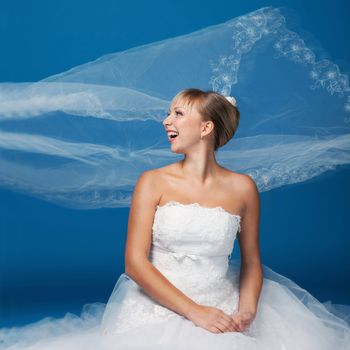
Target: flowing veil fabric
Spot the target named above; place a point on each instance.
(81, 138)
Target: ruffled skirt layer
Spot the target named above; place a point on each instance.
(288, 318)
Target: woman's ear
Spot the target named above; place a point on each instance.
(207, 128)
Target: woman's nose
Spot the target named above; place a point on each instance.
(167, 119)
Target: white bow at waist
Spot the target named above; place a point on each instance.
(180, 255)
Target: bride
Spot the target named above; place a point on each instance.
(180, 290)
(197, 124)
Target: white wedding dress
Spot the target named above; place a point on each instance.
(191, 245)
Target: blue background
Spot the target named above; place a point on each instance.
(53, 259)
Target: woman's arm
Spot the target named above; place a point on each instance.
(137, 265)
(251, 274)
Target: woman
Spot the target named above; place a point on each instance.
(179, 286)
(198, 123)
(180, 290)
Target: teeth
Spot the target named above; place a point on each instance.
(172, 134)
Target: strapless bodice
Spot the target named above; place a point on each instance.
(191, 245)
(194, 229)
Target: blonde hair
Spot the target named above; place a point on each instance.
(214, 107)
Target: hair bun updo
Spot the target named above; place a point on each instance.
(212, 106)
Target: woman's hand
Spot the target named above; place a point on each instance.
(242, 319)
(212, 319)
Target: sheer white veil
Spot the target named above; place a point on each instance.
(81, 138)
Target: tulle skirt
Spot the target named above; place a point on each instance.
(288, 318)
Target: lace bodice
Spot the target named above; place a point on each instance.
(191, 245)
(194, 229)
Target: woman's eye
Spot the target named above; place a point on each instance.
(176, 112)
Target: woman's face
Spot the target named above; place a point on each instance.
(186, 123)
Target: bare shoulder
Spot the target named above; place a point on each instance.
(147, 178)
(238, 182)
(154, 180)
(247, 191)
(242, 188)
(244, 183)
(145, 190)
